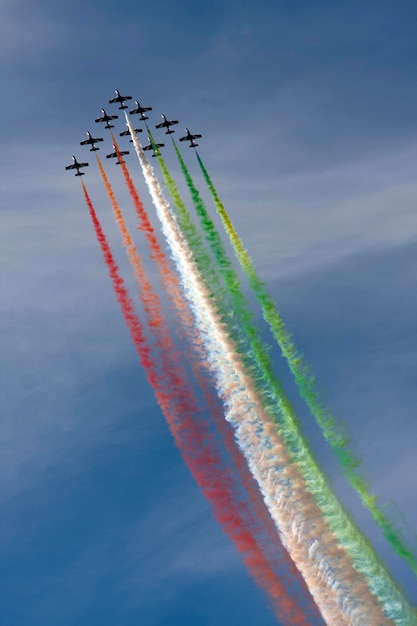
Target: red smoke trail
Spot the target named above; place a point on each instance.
(165, 269)
(200, 457)
(152, 306)
(132, 320)
(255, 560)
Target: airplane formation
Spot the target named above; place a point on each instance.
(138, 110)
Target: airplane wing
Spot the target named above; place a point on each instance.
(125, 133)
(161, 125)
(92, 140)
(119, 98)
(106, 118)
(75, 166)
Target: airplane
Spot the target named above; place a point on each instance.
(190, 137)
(91, 141)
(152, 146)
(120, 99)
(141, 111)
(166, 124)
(75, 165)
(126, 133)
(106, 118)
(113, 155)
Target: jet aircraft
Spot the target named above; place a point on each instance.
(106, 118)
(126, 133)
(120, 99)
(155, 147)
(113, 155)
(91, 141)
(75, 165)
(166, 124)
(140, 110)
(190, 137)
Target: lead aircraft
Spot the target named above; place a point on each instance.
(120, 99)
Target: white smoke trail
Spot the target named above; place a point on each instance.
(340, 592)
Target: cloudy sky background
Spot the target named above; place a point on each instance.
(308, 116)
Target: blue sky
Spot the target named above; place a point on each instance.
(307, 112)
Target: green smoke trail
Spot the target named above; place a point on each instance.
(324, 564)
(394, 604)
(191, 233)
(241, 306)
(305, 381)
(349, 536)
(344, 527)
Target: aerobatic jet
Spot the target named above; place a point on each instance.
(154, 147)
(126, 133)
(166, 124)
(113, 155)
(75, 165)
(140, 110)
(190, 137)
(106, 118)
(120, 99)
(91, 141)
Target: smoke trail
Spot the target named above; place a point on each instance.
(339, 590)
(240, 305)
(218, 488)
(288, 423)
(330, 428)
(193, 237)
(171, 284)
(128, 310)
